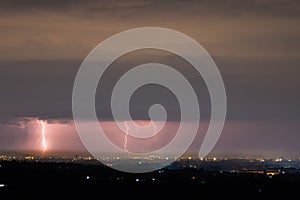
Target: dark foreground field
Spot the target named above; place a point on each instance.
(30, 180)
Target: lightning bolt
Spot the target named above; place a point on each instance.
(44, 144)
(126, 135)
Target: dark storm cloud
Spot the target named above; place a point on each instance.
(39, 89)
(255, 89)
(274, 8)
(17, 5)
(12, 121)
(288, 8)
(258, 57)
(68, 30)
(67, 5)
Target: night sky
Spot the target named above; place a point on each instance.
(254, 43)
